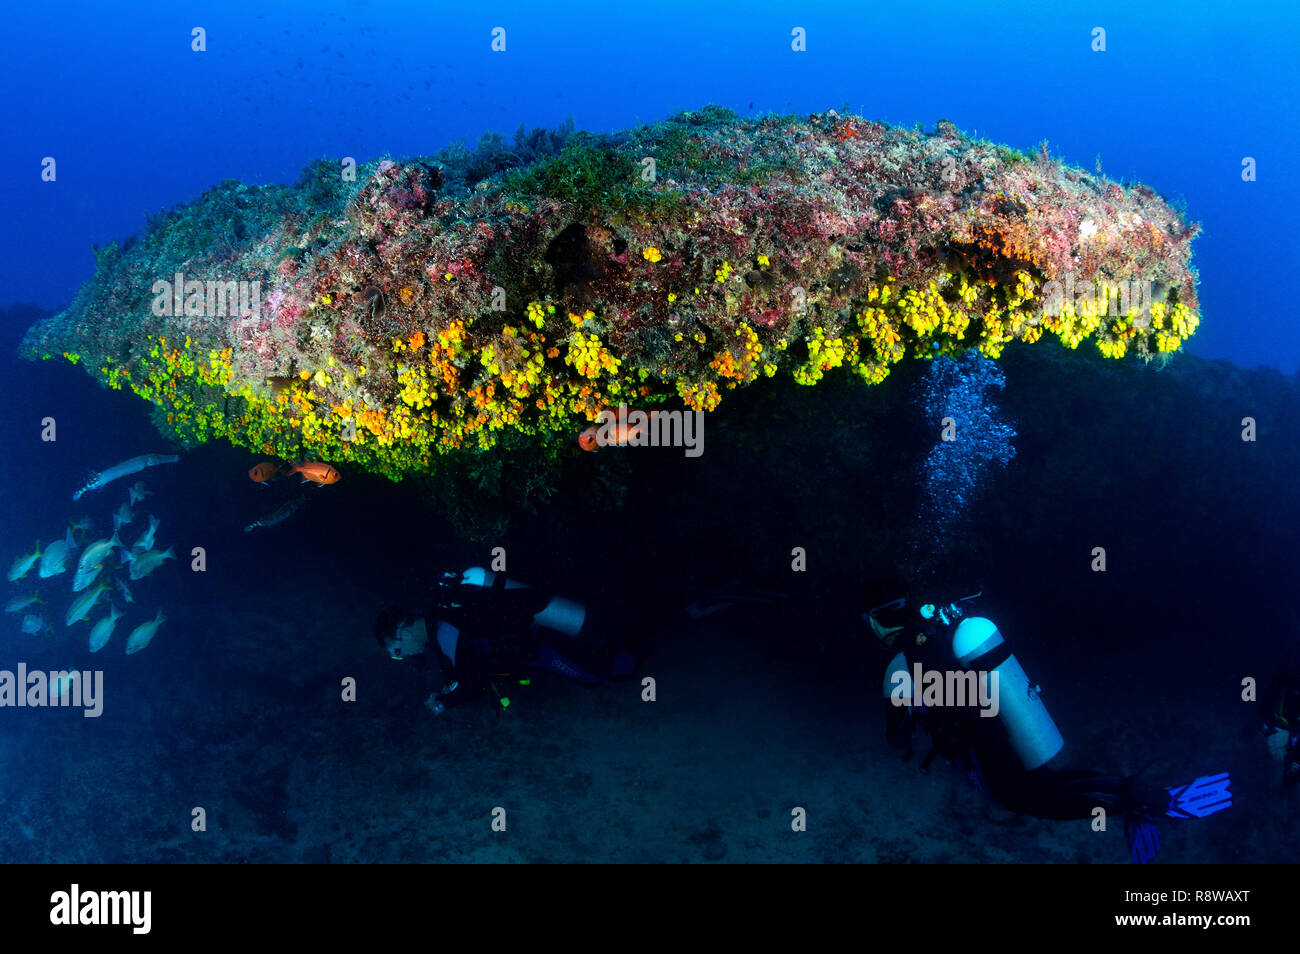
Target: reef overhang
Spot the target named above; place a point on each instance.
(406, 316)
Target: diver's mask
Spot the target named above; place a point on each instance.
(886, 620)
(395, 650)
(889, 619)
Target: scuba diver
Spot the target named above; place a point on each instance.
(1281, 725)
(955, 677)
(485, 632)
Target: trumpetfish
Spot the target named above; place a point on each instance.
(134, 465)
(279, 515)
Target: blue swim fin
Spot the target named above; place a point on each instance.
(1143, 839)
(1205, 796)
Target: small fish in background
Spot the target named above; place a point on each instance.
(82, 525)
(137, 493)
(143, 634)
(318, 473)
(278, 515)
(126, 592)
(118, 471)
(145, 540)
(23, 564)
(620, 433)
(102, 631)
(95, 554)
(55, 558)
(20, 603)
(621, 436)
(142, 564)
(122, 516)
(84, 578)
(64, 683)
(34, 625)
(265, 472)
(83, 604)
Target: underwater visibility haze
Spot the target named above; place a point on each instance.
(730, 434)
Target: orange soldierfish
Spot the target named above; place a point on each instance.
(267, 470)
(316, 472)
(619, 431)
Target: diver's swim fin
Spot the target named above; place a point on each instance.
(1143, 839)
(1205, 796)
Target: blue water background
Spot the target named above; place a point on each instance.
(236, 708)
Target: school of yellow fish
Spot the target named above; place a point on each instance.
(110, 558)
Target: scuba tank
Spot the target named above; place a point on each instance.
(560, 614)
(979, 646)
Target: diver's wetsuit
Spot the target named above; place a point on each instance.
(1282, 711)
(483, 636)
(1060, 794)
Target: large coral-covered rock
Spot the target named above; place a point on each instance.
(398, 312)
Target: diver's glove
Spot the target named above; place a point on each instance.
(435, 703)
